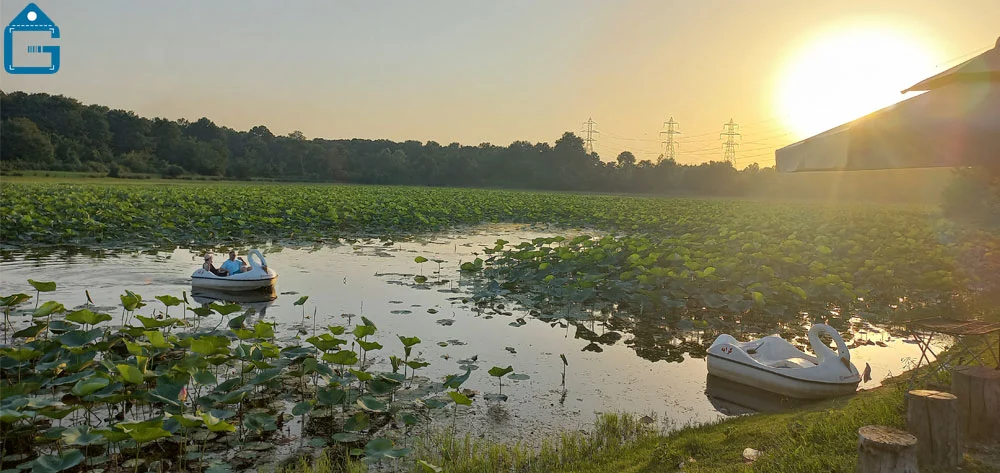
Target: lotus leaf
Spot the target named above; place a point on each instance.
(460, 398)
(42, 286)
(52, 463)
(85, 316)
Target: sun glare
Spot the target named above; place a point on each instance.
(846, 74)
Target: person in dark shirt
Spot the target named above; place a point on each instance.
(208, 266)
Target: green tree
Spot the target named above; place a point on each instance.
(570, 164)
(205, 130)
(24, 141)
(166, 137)
(129, 131)
(96, 129)
(626, 159)
(173, 171)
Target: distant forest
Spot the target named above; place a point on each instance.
(53, 132)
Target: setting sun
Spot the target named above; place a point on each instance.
(848, 73)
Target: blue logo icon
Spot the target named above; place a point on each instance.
(31, 19)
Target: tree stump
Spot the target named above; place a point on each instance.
(978, 392)
(886, 450)
(932, 417)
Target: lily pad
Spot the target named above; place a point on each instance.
(88, 386)
(500, 372)
(43, 286)
(302, 408)
(53, 463)
(371, 404)
(85, 316)
(81, 435)
(357, 422)
(433, 403)
(460, 398)
(346, 437)
(258, 446)
(48, 308)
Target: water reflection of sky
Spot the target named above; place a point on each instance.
(376, 280)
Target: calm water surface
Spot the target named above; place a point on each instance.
(376, 279)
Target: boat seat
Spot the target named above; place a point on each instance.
(790, 363)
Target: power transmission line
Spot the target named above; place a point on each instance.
(669, 146)
(958, 59)
(752, 124)
(730, 145)
(590, 131)
(764, 133)
(769, 139)
(712, 152)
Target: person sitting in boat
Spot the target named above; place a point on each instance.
(235, 265)
(208, 266)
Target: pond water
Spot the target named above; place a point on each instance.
(609, 368)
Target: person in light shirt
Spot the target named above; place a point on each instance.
(234, 265)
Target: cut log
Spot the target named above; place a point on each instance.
(886, 450)
(978, 392)
(932, 417)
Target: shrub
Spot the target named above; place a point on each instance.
(173, 171)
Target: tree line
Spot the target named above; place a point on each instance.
(53, 132)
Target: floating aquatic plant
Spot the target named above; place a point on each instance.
(119, 390)
(499, 373)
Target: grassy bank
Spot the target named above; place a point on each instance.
(819, 438)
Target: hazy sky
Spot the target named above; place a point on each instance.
(499, 71)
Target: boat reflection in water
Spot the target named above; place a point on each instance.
(258, 300)
(732, 398)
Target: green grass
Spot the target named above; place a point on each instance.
(90, 178)
(819, 438)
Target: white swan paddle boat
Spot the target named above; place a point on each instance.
(773, 364)
(259, 276)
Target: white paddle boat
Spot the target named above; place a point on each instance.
(259, 276)
(773, 364)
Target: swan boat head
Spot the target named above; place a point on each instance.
(824, 352)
